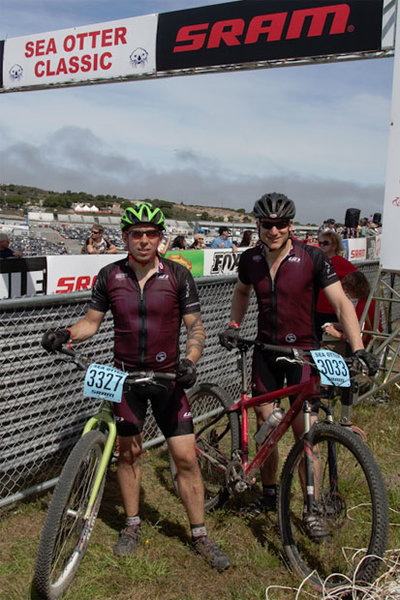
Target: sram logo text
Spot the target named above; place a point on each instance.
(75, 284)
(287, 25)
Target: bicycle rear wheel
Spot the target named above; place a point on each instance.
(352, 503)
(66, 532)
(216, 439)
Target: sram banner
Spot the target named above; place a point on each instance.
(112, 50)
(267, 30)
(72, 274)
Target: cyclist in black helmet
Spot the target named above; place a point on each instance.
(149, 296)
(286, 276)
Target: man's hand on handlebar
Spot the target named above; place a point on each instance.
(368, 360)
(230, 337)
(186, 373)
(53, 339)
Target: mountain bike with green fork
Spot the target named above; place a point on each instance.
(77, 496)
(329, 473)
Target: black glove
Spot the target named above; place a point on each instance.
(229, 338)
(53, 339)
(368, 360)
(186, 373)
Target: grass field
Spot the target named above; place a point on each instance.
(165, 567)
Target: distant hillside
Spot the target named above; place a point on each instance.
(16, 199)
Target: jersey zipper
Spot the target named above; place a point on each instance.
(274, 301)
(142, 328)
(142, 322)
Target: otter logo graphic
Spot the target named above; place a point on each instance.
(161, 356)
(16, 72)
(290, 338)
(139, 57)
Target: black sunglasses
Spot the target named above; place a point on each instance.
(278, 224)
(324, 243)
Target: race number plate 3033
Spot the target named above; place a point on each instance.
(102, 381)
(332, 368)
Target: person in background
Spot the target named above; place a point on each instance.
(179, 243)
(97, 243)
(357, 287)
(330, 225)
(247, 239)
(331, 245)
(5, 250)
(198, 242)
(362, 232)
(222, 240)
(309, 239)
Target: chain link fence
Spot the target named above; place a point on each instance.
(42, 407)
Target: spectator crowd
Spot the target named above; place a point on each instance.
(60, 238)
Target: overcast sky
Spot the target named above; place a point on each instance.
(317, 133)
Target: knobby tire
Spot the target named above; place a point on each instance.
(65, 534)
(352, 502)
(214, 440)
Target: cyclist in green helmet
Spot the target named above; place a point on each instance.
(149, 296)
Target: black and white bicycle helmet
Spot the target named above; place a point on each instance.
(274, 206)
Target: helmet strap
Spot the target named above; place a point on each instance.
(276, 249)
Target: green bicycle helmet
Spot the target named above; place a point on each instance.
(142, 212)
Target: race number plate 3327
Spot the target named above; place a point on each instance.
(102, 381)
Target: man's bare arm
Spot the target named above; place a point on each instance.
(240, 301)
(86, 327)
(196, 336)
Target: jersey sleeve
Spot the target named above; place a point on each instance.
(187, 292)
(326, 271)
(100, 300)
(243, 270)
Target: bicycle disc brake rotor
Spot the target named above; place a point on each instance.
(333, 507)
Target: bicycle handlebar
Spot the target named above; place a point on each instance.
(244, 344)
(301, 356)
(134, 377)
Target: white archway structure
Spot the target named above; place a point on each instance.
(227, 37)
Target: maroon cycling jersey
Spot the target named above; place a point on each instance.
(286, 306)
(146, 322)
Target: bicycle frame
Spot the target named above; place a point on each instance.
(104, 415)
(303, 391)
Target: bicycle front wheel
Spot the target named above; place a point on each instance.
(351, 503)
(217, 437)
(66, 531)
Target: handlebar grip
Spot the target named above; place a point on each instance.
(68, 351)
(282, 350)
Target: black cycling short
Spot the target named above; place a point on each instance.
(269, 375)
(169, 405)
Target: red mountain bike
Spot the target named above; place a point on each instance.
(342, 483)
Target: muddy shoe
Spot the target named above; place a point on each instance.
(315, 528)
(211, 553)
(128, 541)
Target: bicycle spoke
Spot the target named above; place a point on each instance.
(351, 506)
